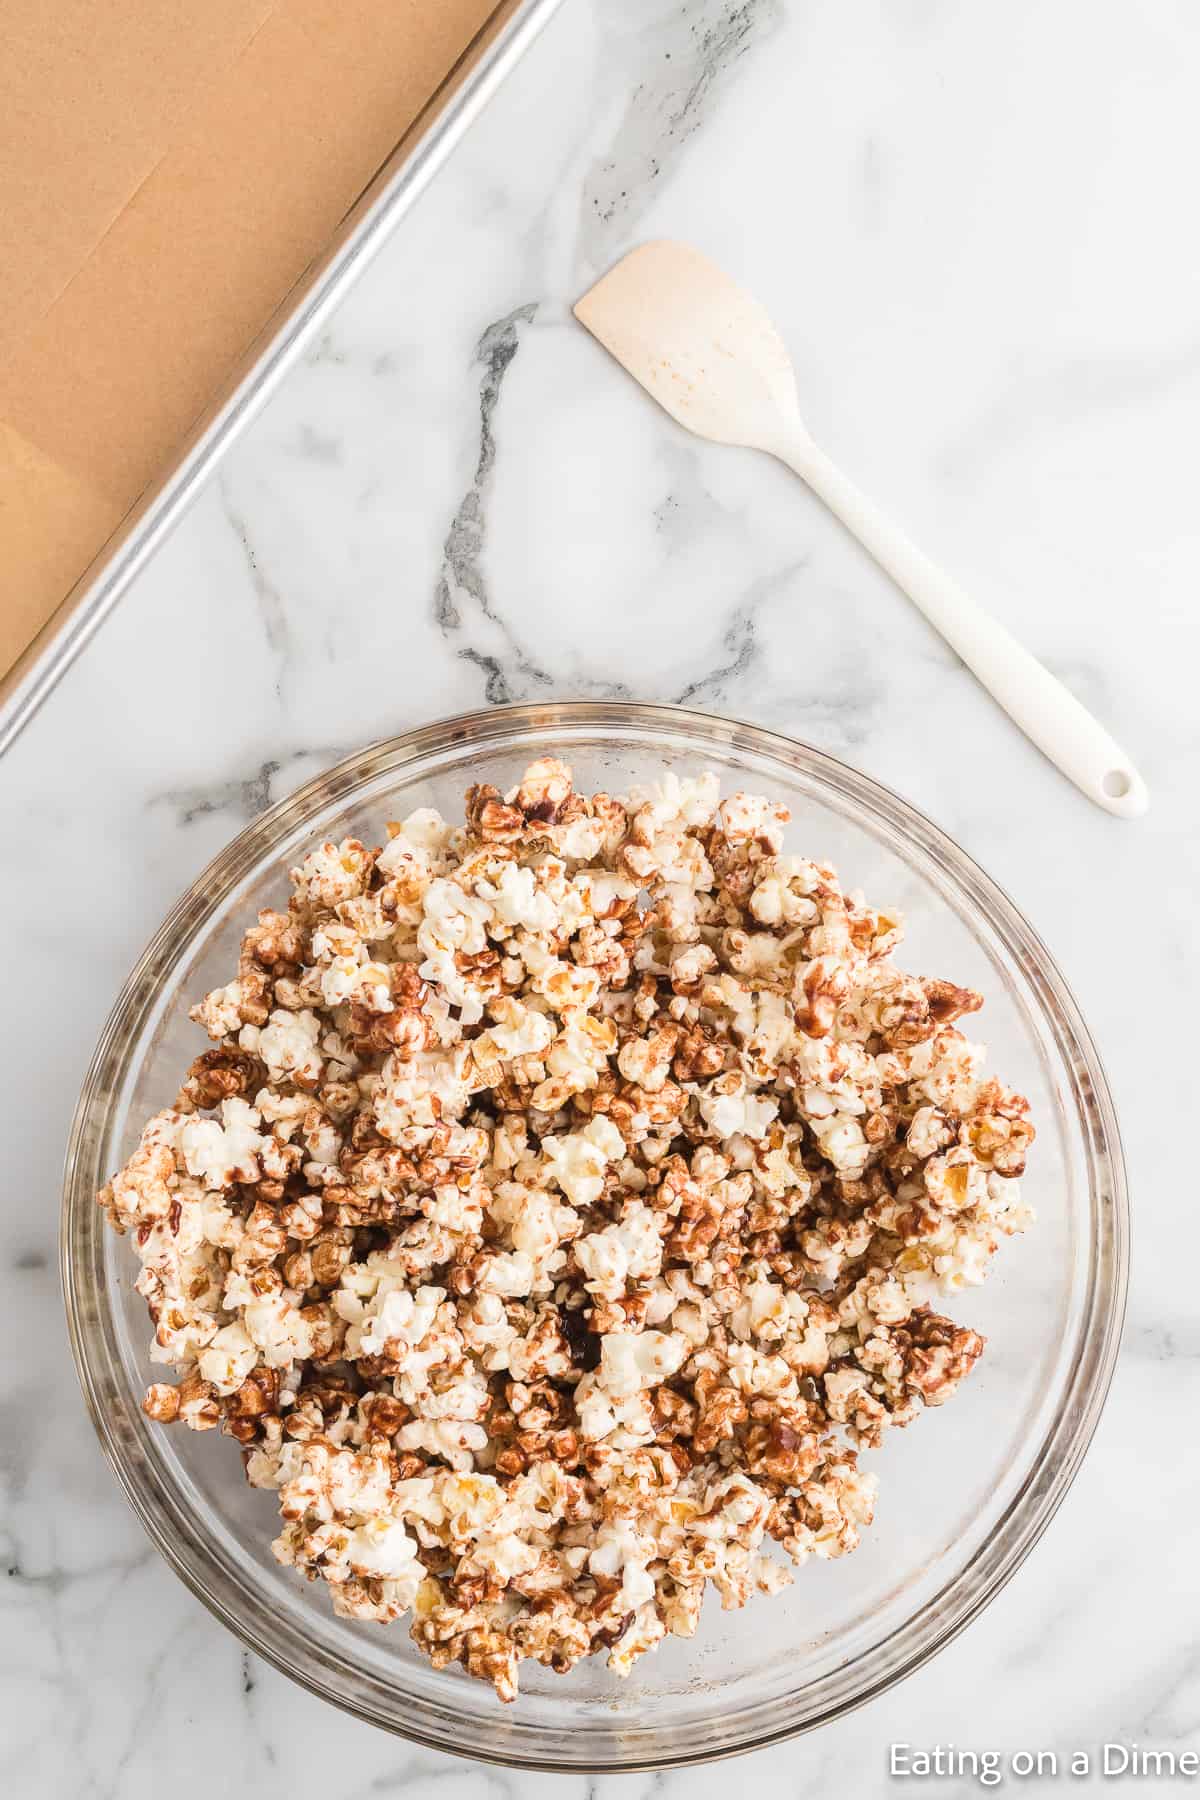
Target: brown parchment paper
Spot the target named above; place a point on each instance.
(168, 170)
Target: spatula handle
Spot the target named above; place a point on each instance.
(1045, 710)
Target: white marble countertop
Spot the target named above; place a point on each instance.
(975, 226)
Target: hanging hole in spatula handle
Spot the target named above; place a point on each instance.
(1124, 793)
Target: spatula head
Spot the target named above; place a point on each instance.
(703, 347)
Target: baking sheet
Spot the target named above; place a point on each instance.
(90, 484)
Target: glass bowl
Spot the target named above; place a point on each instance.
(964, 1494)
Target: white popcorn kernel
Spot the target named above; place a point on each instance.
(516, 899)
(507, 1273)
(332, 873)
(521, 1032)
(841, 1139)
(620, 1551)
(287, 1044)
(764, 1312)
(220, 1153)
(279, 1330)
(381, 1547)
(751, 816)
(578, 1161)
(220, 1012)
(394, 1316)
(457, 1442)
(229, 1358)
(738, 1113)
(629, 1363)
(629, 1250)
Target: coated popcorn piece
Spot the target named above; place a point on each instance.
(559, 1213)
(223, 1153)
(289, 1046)
(627, 1252)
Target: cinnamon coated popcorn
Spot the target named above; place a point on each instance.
(559, 1213)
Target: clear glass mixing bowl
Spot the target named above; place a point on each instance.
(964, 1493)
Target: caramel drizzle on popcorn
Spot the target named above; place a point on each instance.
(557, 1215)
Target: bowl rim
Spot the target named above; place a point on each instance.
(1040, 1492)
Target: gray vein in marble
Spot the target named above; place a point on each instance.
(1179, 1681)
(49, 1591)
(1086, 681)
(332, 351)
(247, 796)
(689, 505)
(462, 600)
(317, 446)
(1058, 1617)
(249, 1685)
(56, 1579)
(462, 587)
(271, 605)
(244, 796)
(838, 704)
(448, 1771)
(1058, 397)
(694, 50)
(870, 183)
(1161, 1342)
(461, 577)
(326, 349)
(739, 642)
(841, 710)
(496, 690)
(156, 1674)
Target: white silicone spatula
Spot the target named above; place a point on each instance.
(709, 354)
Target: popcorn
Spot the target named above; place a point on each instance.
(578, 1162)
(557, 1213)
(353, 977)
(620, 1552)
(220, 1012)
(394, 1315)
(628, 1251)
(456, 1442)
(288, 1046)
(416, 846)
(732, 1110)
(220, 1154)
(517, 899)
(520, 1031)
(628, 1423)
(842, 1141)
(381, 1547)
(229, 1358)
(332, 873)
(750, 816)
(279, 1330)
(508, 1272)
(629, 1363)
(414, 1093)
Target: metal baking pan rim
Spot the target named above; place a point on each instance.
(455, 104)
